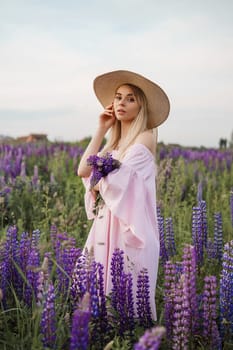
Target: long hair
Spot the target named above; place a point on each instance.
(138, 125)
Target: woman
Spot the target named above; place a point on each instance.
(135, 106)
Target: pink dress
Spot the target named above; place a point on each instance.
(128, 218)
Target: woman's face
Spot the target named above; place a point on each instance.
(126, 106)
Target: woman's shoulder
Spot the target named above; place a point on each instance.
(147, 139)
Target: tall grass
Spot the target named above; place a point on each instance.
(39, 190)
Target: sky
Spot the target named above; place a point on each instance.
(52, 50)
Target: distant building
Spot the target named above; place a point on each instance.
(5, 138)
(33, 138)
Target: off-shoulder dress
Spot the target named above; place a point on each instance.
(128, 218)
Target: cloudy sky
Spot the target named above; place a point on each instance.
(51, 50)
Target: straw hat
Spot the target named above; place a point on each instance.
(157, 101)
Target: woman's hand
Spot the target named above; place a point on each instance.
(107, 118)
(95, 190)
(96, 187)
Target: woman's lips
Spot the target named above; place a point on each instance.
(120, 111)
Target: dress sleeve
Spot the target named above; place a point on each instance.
(89, 198)
(125, 193)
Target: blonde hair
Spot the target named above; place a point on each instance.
(138, 125)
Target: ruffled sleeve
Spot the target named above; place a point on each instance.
(89, 198)
(125, 192)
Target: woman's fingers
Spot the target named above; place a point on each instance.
(109, 106)
(107, 118)
(109, 113)
(108, 109)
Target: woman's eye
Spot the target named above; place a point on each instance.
(128, 99)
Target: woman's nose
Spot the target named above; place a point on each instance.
(122, 101)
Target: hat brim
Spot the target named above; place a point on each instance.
(158, 103)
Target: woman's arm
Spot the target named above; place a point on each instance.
(106, 120)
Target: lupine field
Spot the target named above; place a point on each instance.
(51, 292)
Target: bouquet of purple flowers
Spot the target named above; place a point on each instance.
(101, 167)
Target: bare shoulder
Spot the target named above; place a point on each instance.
(148, 139)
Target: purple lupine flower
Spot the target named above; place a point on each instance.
(210, 249)
(102, 298)
(197, 234)
(101, 167)
(66, 257)
(4, 195)
(163, 250)
(92, 287)
(117, 269)
(24, 252)
(32, 275)
(79, 278)
(218, 235)
(204, 225)
(170, 280)
(181, 317)
(82, 274)
(6, 190)
(210, 328)
(97, 302)
(181, 300)
(129, 301)
(80, 325)
(17, 165)
(210, 158)
(48, 319)
(231, 206)
(59, 247)
(35, 238)
(190, 276)
(10, 257)
(126, 304)
(143, 299)
(151, 339)
(102, 319)
(69, 257)
(170, 240)
(226, 293)
(88, 279)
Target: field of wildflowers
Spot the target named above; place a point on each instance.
(51, 294)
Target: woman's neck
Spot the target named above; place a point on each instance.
(124, 130)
